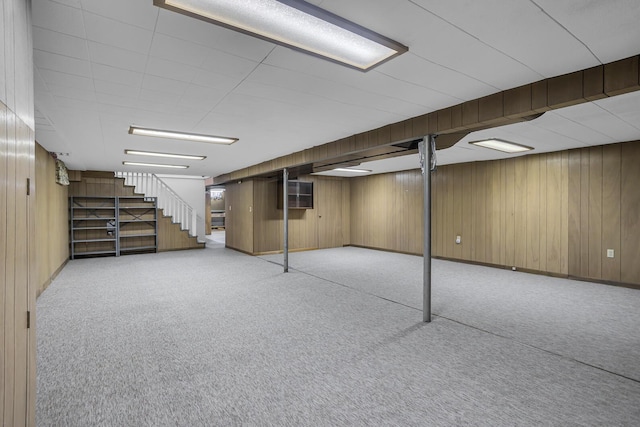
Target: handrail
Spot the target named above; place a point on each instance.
(168, 200)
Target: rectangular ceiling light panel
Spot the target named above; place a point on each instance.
(194, 137)
(502, 145)
(169, 155)
(154, 165)
(295, 24)
(351, 170)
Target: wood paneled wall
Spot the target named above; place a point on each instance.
(255, 224)
(18, 275)
(52, 220)
(507, 212)
(604, 206)
(555, 213)
(386, 211)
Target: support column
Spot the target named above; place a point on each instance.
(425, 149)
(285, 209)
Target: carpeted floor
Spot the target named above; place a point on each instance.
(214, 337)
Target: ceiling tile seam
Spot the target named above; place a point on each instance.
(616, 115)
(539, 126)
(212, 109)
(401, 116)
(479, 40)
(111, 19)
(146, 61)
(333, 82)
(59, 54)
(585, 124)
(567, 30)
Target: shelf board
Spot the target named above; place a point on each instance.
(137, 220)
(75, 254)
(93, 207)
(95, 218)
(94, 240)
(137, 248)
(138, 235)
(92, 228)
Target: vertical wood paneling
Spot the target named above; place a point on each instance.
(52, 222)
(520, 213)
(542, 212)
(509, 212)
(630, 217)
(595, 253)
(611, 169)
(584, 213)
(532, 212)
(555, 212)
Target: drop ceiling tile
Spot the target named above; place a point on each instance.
(413, 69)
(626, 107)
(72, 93)
(118, 34)
(62, 44)
(212, 36)
(117, 89)
(173, 49)
(57, 17)
(117, 75)
(555, 123)
(162, 84)
(159, 97)
(520, 30)
(111, 99)
(64, 64)
(609, 28)
(137, 13)
(226, 64)
(215, 80)
(117, 57)
(71, 81)
(201, 96)
(170, 69)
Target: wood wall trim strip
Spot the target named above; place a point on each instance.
(498, 109)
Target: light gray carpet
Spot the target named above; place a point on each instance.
(214, 337)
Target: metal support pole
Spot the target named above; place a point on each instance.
(285, 208)
(425, 160)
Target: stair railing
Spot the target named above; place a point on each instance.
(173, 205)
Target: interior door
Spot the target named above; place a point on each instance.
(329, 211)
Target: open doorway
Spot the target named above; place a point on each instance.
(216, 219)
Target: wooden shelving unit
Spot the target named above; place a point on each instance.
(112, 226)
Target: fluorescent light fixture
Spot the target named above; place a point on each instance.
(169, 155)
(502, 145)
(295, 24)
(154, 165)
(351, 170)
(194, 137)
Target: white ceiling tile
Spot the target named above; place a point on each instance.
(138, 13)
(115, 89)
(170, 69)
(114, 99)
(215, 80)
(69, 80)
(520, 30)
(609, 28)
(73, 93)
(62, 44)
(117, 75)
(58, 17)
(118, 34)
(413, 69)
(201, 96)
(554, 122)
(227, 64)
(159, 97)
(63, 64)
(117, 57)
(173, 49)
(162, 84)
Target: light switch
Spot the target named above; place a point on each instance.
(458, 240)
(610, 253)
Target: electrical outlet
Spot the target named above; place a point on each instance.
(458, 240)
(610, 253)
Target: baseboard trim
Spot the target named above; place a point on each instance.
(47, 282)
